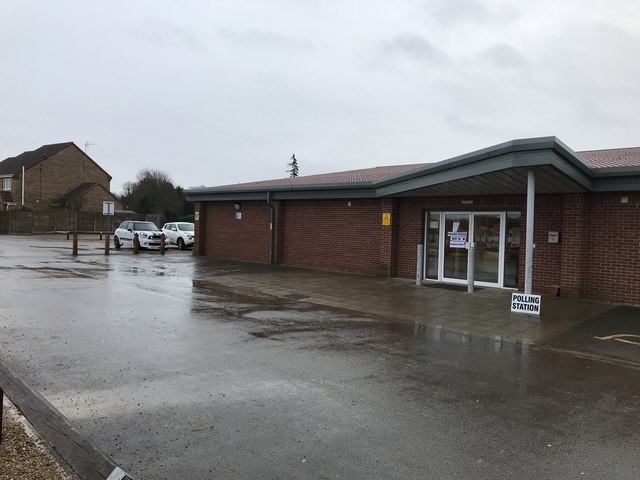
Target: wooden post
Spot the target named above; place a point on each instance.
(136, 243)
(162, 244)
(75, 244)
(84, 458)
(1, 412)
(107, 244)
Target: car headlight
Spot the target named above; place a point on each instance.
(143, 235)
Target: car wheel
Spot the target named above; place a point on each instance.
(116, 242)
(180, 244)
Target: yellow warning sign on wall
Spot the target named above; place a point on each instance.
(386, 219)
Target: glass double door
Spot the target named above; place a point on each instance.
(483, 231)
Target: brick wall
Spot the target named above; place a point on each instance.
(56, 176)
(329, 234)
(225, 237)
(598, 255)
(92, 201)
(547, 257)
(612, 265)
(574, 229)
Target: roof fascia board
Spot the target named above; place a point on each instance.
(450, 175)
(527, 145)
(325, 194)
(281, 195)
(616, 171)
(277, 188)
(574, 172)
(519, 159)
(627, 183)
(226, 196)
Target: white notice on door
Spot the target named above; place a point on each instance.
(457, 239)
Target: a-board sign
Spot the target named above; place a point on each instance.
(525, 303)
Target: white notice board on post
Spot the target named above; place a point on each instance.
(108, 208)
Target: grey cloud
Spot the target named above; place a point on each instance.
(451, 12)
(163, 34)
(448, 12)
(504, 56)
(258, 38)
(412, 47)
(460, 125)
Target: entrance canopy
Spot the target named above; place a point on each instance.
(498, 170)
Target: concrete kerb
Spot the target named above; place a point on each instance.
(83, 458)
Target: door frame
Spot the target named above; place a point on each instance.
(442, 236)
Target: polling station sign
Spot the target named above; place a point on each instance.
(523, 303)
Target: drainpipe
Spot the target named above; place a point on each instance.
(528, 256)
(23, 185)
(272, 218)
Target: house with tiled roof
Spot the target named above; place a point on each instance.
(531, 215)
(56, 176)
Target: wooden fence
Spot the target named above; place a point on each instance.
(66, 221)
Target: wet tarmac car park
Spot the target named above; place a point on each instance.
(180, 367)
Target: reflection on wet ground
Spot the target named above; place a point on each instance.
(180, 367)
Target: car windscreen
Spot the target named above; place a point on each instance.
(144, 226)
(186, 227)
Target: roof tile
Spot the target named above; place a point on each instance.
(613, 157)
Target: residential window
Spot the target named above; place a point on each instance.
(6, 184)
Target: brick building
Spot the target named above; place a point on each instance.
(54, 176)
(582, 208)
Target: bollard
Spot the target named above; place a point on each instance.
(107, 242)
(136, 243)
(162, 244)
(1, 412)
(471, 267)
(420, 265)
(75, 244)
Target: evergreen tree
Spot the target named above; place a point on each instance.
(293, 167)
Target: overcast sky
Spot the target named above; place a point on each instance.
(224, 91)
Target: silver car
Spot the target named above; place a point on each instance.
(179, 233)
(148, 234)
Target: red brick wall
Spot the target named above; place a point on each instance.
(547, 257)
(575, 219)
(612, 266)
(222, 236)
(598, 255)
(328, 234)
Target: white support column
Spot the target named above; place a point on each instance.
(528, 258)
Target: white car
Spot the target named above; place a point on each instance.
(148, 234)
(179, 233)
